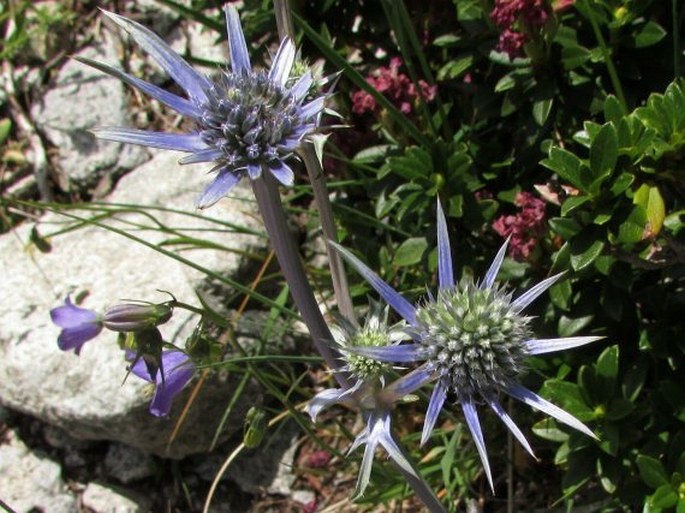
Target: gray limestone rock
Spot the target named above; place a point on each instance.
(83, 98)
(87, 396)
(30, 481)
(107, 499)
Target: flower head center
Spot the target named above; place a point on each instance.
(363, 366)
(250, 119)
(476, 340)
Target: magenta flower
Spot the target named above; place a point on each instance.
(395, 86)
(525, 228)
(176, 370)
(79, 325)
(518, 19)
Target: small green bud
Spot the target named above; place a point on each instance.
(255, 427)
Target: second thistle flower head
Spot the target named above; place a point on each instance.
(374, 333)
(472, 339)
(247, 121)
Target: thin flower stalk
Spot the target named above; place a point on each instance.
(312, 162)
(276, 224)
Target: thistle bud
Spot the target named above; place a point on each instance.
(136, 317)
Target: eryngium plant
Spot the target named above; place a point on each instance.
(472, 340)
(246, 121)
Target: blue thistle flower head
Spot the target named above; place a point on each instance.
(247, 121)
(472, 340)
(369, 394)
(375, 332)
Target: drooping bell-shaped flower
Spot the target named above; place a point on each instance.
(174, 373)
(79, 325)
(246, 121)
(472, 340)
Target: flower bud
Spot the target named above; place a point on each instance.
(255, 427)
(136, 317)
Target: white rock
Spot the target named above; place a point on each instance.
(30, 481)
(199, 41)
(83, 98)
(85, 395)
(106, 499)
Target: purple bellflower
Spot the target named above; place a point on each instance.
(472, 339)
(79, 325)
(246, 121)
(174, 373)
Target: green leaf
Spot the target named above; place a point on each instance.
(5, 127)
(372, 154)
(566, 227)
(633, 228)
(585, 248)
(560, 293)
(613, 110)
(410, 252)
(621, 183)
(603, 154)
(574, 56)
(607, 364)
(415, 163)
(541, 110)
(568, 166)
(680, 507)
(652, 471)
(569, 326)
(455, 68)
(446, 40)
(567, 395)
(649, 34)
(505, 83)
(548, 430)
(664, 497)
(572, 203)
(650, 199)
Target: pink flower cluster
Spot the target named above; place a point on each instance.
(530, 14)
(395, 86)
(525, 228)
